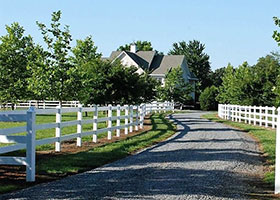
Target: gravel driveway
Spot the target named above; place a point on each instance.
(203, 160)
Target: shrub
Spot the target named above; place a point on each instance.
(207, 98)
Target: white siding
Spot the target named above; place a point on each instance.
(127, 61)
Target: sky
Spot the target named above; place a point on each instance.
(233, 31)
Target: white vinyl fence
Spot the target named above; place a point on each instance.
(40, 104)
(256, 115)
(133, 119)
(260, 116)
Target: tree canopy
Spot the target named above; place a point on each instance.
(176, 88)
(251, 85)
(16, 51)
(59, 79)
(197, 61)
(141, 46)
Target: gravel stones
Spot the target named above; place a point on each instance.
(203, 160)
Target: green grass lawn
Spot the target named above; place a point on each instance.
(266, 138)
(50, 118)
(69, 163)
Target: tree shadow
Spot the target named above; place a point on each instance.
(161, 172)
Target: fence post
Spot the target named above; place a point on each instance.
(79, 125)
(109, 137)
(30, 144)
(255, 116)
(58, 128)
(266, 117)
(273, 117)
(126, 119)
(260, 109)
(131, 118)
(250, 112)
(94, 125)
(137, 118)
(277, 155)
(232, 112)
(141, 115)
(235, 112)
(246, 112)
(118, 120)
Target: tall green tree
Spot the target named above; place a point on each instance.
(15, 54)
(266, 73)
(237, 85)
(114, 83)
(276, 34)
(176, 88)
(276, 37)
(84, 57)
(197, 61)
(141, 46)
(60, 72)
(216, 76)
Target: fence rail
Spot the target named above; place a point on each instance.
(40, 104)
(259, 116)
(256, 115)
(133, 118)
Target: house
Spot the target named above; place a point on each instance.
(157, 65)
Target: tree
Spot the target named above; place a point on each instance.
(176, 88)
(207, 98)
(276, 34)
(216, 76)
(266, 73)
(84, 57)
(141, 46)
(197, 61)
(60, 74)
(115, 83)
(15, 54)
(239, 86)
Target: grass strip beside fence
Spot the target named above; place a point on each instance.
(266, 138)
(68, 163)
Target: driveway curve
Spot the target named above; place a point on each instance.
(203, 160)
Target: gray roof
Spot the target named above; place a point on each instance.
(156, 64)
(147, 56)
(162, 64)
(114, 54)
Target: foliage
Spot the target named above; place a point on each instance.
(216, 76)
(197, 61)
(176, 88)
(236, 86)
(15, 54)
(141, 46)
(84, 57)
(265, 85)
(252, 85)
(57, 76)
(207, 98)
(114, 83)
(276, 34)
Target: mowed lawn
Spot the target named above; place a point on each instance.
(50, 118)
(266, 138)
(67, 163)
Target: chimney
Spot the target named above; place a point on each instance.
(133, 48)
